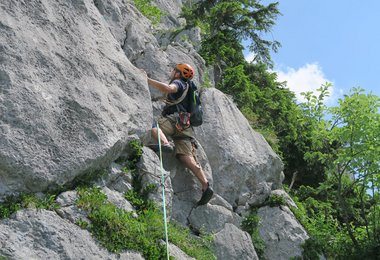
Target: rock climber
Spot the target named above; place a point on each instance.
(178, 129)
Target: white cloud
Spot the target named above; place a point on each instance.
(310, 77)
(250, 56)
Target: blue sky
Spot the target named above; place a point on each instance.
(328, 40)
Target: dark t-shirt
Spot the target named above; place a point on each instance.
(183, 105)
(181, 86)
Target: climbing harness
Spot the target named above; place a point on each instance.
(163, 192)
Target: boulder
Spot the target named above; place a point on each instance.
(233, 243)
(67, 208)
(281, 232)
(212, 218)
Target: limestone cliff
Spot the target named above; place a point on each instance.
(71, 97)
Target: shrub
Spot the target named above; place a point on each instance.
(12, 204)
(251, 225)
(119, 230)
(153, 13)
(275, 200)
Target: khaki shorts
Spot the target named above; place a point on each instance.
(182, 140)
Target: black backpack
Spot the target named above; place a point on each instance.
(195, 106)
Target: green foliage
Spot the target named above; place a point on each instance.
(119, 230)
(268, 106)
(333, 152)
(296, 151)
(206, 83)
(134, 154)
(312, 249)
(197, 247)
(250, 224)
(88, 178)
(153, 13)
(139, 202)
(320, 213)
(275, 200)
(348, 146)
(319, 225)
(226, 23)
(12, 204)
(82, 223)
(130, 160)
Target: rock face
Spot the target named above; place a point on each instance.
(69, 96)
(44, 235)
(241, 159)
(72, 96)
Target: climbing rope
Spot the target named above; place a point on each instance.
(163, 192)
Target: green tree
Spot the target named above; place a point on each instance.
(310, 124)
(267, 104)
(226, 24)
(348, 145)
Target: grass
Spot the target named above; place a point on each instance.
(142, 231)
(153, 13)
(11, 204)
(275, 200)
(250, 224)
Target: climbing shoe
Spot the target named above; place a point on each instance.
(166, 148)
(206, 196)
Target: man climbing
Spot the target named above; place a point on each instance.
(175, 124)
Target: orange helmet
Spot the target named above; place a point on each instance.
(187, 72)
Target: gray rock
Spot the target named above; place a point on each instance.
(118, 199)
(73, 214)
(243, 211)
(177, 253)
(117, 179)
(181, 210)
(233, 243)
(149, 173)
(67, 198)
(262, 192)
(42, 234)
(118, 14)
(130, 256)
(239, 157)
(281, 233)
(219, 201)
(186, 187)
(68, 210)
(69, 96)
(212, 218)
(286, 196)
